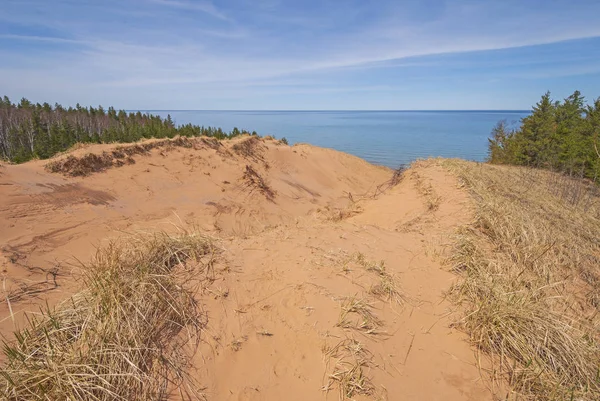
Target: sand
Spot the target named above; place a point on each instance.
(305, 231)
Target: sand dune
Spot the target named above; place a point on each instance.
(330, 266)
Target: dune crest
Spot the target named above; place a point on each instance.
(330, 284)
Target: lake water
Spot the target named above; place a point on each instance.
(390, 138)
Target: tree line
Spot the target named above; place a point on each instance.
(29, 131)
(558, 135)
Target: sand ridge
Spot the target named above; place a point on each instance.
(306, 235)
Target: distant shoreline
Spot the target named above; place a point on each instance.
(334, 111)
(384, 137)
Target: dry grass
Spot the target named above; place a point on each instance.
(127, 336)
(357, 314)
(250, 148)
(387, 288)
(432, 199)
(349, 376)
(531, 278)
(81, 166)
(337, 214)
(254, 181)
(121, 155)
(369, 265)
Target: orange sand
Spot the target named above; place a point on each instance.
(291, 261)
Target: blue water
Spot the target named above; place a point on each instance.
(390, 138)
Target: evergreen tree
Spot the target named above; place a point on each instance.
(41, 130)
(558, 135)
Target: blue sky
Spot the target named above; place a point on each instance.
(308, 54)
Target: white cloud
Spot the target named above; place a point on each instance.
(151, 44)
(202, 6)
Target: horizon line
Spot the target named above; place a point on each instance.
(341, 110)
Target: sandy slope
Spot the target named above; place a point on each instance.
(300, 227)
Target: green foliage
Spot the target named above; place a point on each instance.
(561, 136)
(29, 131)
(498, 142)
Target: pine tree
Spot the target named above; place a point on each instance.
(30, 130)
(498, 144)
(536, 136)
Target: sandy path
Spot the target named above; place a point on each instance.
(291, 282)
(293, 262)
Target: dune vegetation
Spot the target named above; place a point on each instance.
(530, 280)
(525, 256)
(128, 335)
(529, 262)
(39, 131)
(560, 136)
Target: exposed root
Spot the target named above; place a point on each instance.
(396, 179)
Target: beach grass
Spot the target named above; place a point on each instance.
(530, 279)
(127, 335)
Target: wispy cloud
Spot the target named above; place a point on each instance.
(35, 38)
(202, 6)
(185, 49)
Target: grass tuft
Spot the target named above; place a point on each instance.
(369, 265)
(357, 314)
(337, 214)
(387, 288)
(127, 336)
(530, 277)
(349, 374)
